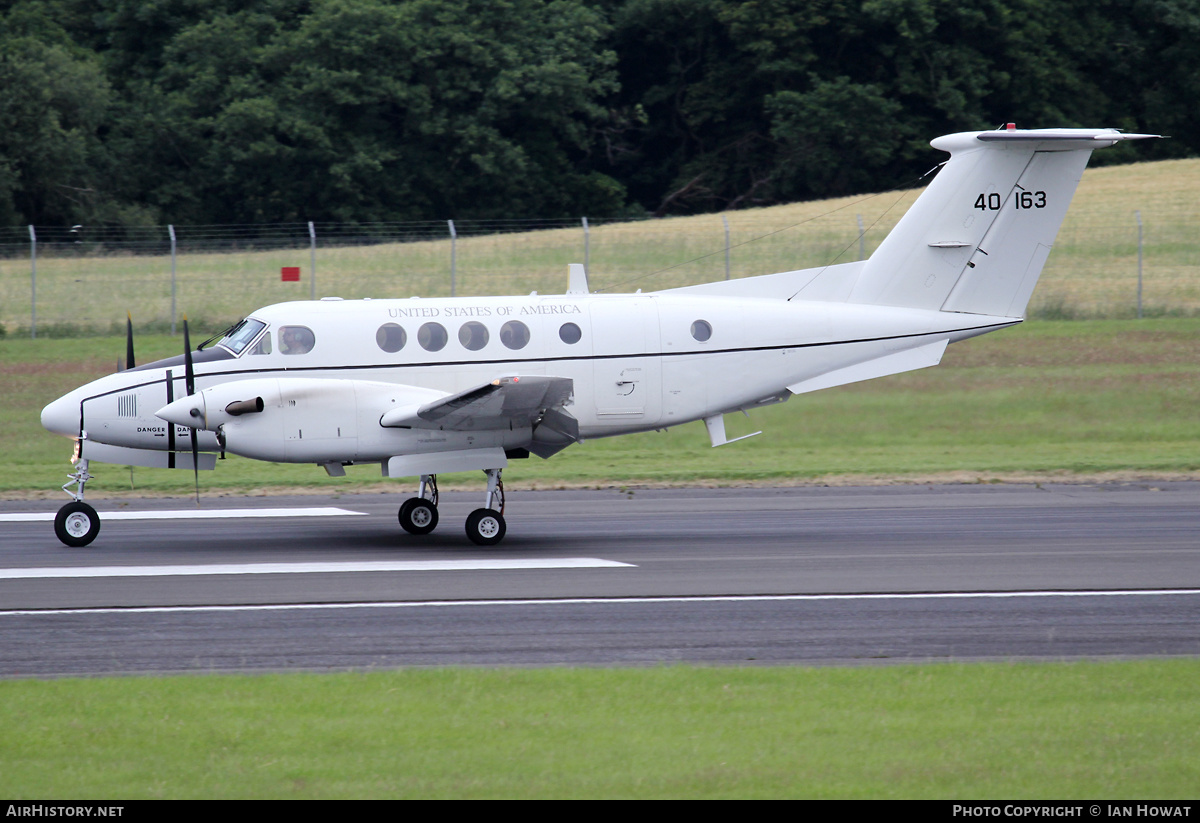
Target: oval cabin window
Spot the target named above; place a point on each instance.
(473, 335)
(514, 335)
(569, 333)
(432, 337)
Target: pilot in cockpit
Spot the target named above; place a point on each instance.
(295, 340)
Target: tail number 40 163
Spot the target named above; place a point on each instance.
(1023, 200)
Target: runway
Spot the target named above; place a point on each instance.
(804, 575)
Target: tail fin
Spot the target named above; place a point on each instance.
(976, 240)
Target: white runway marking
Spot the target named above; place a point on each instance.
(609, 601)
(497, 564)
(187, 514)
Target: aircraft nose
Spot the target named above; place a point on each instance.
(62, 416)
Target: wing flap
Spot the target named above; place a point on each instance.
(517, 400)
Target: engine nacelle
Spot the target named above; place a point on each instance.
(296, 419)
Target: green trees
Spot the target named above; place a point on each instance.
(54, 103)
(744, 103)
(362, 110)
(215, 111)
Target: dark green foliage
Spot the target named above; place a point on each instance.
(375, 111)
(728, 104)
(128, 112)
(54, 103)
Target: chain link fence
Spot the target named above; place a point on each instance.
(61, 281)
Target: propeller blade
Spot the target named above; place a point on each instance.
(190, 382)
(196, 465)
(128, 340)
(189, 372)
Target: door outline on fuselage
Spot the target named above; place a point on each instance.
(627, 365)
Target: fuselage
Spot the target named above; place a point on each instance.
(637, 362)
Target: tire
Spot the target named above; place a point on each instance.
(418, 516)
(485, 527)
(76, 524)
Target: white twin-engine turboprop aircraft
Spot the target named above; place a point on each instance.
(426, 386)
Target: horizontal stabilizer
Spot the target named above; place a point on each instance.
(1061, 138)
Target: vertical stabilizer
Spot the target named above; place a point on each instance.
(976, 240)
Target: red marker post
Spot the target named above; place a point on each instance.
(290, 274)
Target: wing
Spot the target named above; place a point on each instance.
(537, 401)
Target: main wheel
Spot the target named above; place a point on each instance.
(485, 527)
(418, 516)
(76, 524)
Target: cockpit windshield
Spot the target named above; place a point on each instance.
(242, 335)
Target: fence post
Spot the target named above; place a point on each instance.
(453, 255)
(312, 262)
(861, 233)
(171, 231)
(1139, 296)
(586, 248)
(32, 283)
(725, 220)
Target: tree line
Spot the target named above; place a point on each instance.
(139, 112)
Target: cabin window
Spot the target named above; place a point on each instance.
(390, 337)
(569, 333)
(432, 336)
(701, 330)
(296, 339)
(514, 335)
(473, 335)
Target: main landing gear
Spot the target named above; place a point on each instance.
(485, 527)
(419, 515)
(77, 523)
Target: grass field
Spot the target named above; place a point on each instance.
(1092, 271)
(1049, 399)
(1058, 731)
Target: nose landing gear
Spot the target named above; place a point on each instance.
(77, 523)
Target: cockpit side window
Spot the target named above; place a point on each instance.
(242, 335)
(296, 339)
(263, 346)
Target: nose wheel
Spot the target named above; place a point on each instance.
(76, 524)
